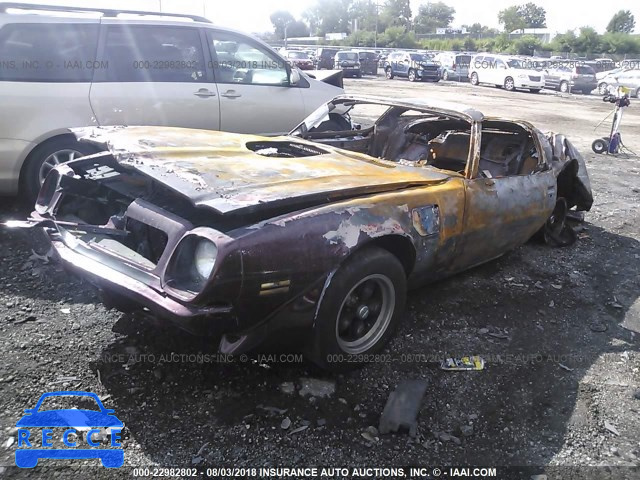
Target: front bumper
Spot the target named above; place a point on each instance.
(124, 290)
(528, 83)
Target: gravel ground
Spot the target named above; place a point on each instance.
(558, 329)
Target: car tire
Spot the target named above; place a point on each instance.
(509, 84)
(564, 87)
(600, 145)
(388, 73)
(638, 93)
(44, 157)
(445, 75)
(534, 90)
(412, 75)
(474, 79)
(347, 325)
(602, 88)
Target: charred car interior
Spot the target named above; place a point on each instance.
(317, 234)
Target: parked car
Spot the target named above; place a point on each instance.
(368, 62)
(609, 78)
(299, 59)
(630, 80)
(146, 69)
(453, 66)
(349, 62)
(314, 237)
(414, 66)
(326, 57)
(502, 71)
(571, 78)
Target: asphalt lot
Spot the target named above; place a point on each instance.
(557, 391)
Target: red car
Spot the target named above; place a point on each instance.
(300, 60)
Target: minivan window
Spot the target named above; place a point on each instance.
(149, 53)
(237, 60)
(347, 56)
(48, 52)
(585, 70)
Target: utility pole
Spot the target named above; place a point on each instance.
(375, 34)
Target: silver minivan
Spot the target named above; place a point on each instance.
(64, 67)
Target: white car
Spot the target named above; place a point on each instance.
(65, 67)
(508, 72)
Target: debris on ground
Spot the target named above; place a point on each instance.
(609, 426)
(403, 405)
(465, 363)
(316, 388)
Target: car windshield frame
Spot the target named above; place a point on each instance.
(515, 63)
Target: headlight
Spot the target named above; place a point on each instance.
(205, 257)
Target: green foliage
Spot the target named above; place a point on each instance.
(517, 17)
(622, 21)
(526, 45)
(432, 16)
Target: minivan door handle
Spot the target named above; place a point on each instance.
(230, 94)
(203, 93)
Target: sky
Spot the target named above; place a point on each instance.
(253, 15)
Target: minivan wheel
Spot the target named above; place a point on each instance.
(445, 75)
(46, 156)
(360, 310)
(412, 75)
(388, 72)
(564, 87)
(474, 79)
(602, 88)
(509, 84)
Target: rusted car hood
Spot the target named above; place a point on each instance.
(218, 170)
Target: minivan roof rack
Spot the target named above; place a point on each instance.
(106, 12)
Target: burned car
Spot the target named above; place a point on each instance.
(313, 237)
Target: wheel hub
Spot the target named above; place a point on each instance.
(363, 312)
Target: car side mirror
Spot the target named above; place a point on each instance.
(294, 77)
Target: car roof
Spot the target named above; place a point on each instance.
(461, 111)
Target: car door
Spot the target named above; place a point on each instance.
(255, 91)
(156, 75)
(552, 78)
(502, 212)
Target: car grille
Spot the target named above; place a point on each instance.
(534, 79)
(146, 240)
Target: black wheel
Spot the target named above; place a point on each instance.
(46, 156)
(360, 310)
(445, 75)
(412, 75)
(389, 73)
(602, 88)
(556, 231)
(600, 145)
(474, 79)
(564, 87)
(509, 84)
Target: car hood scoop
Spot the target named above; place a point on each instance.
(233, 173)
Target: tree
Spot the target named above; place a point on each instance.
(396, 13)
(280, 20)
(588, 41)
(511, 19)
(363, 12)
(432, 16)
(533, 15)
(329, 16)
(518, 17)
(622, 22)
